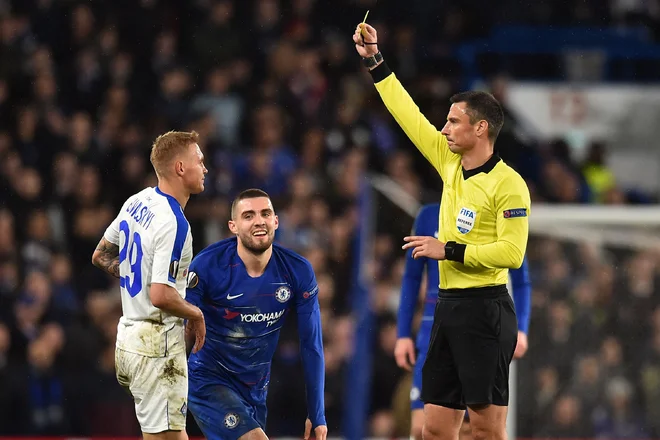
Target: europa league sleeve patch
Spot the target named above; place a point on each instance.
(193, 280)
(513, 213)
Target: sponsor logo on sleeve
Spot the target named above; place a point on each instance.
(514, 213)
(311, 293)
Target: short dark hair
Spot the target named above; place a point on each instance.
(482, 105)
(251, 193)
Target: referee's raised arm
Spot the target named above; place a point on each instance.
(483, 231)
(426, 137)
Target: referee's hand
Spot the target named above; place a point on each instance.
(429, 247)
(404, 353)
(365, 38)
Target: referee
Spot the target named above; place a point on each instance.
(484, 226)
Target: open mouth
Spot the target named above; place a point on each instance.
(260, 233)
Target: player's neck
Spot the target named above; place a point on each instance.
(181, 195)
(254, 264)
(476, 157)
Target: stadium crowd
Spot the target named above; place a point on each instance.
(282, 104)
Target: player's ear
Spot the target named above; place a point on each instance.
(276, 223)
(232, 227)
(178, 167)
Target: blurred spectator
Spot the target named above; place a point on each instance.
(567, 419)
(617, 417)
(599, 177)
(587, 384)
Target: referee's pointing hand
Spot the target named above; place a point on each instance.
(429, 247)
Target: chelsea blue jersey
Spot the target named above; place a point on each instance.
(244, 315)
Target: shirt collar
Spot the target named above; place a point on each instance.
(485, 168)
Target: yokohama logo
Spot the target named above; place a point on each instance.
(271, 318)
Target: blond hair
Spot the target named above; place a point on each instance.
(167, 146)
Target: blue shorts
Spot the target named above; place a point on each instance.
(422, 345)
(416, 390)
(222, 413)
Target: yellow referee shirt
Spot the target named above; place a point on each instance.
(485, 210)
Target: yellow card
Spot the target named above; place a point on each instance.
(364, 21)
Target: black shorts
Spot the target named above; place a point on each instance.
(474, 335)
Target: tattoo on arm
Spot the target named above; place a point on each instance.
(106, 257)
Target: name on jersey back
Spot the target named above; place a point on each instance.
(140, 213)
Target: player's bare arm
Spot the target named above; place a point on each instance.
(167, 299)
(106, 257)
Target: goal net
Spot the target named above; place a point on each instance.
(630, 227)
(593, 356)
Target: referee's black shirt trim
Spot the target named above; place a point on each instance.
(485, 168)
(381, 72)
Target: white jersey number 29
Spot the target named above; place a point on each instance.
(133, 251)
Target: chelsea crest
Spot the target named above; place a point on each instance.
(283, 293)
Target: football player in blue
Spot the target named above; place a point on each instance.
(426, 224)
(245, 286)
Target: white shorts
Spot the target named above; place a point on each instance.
(159, 386)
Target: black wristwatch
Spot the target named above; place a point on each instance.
(450, 247)
(373, 60)
(455, 251)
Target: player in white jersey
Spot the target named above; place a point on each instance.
(149, 248)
